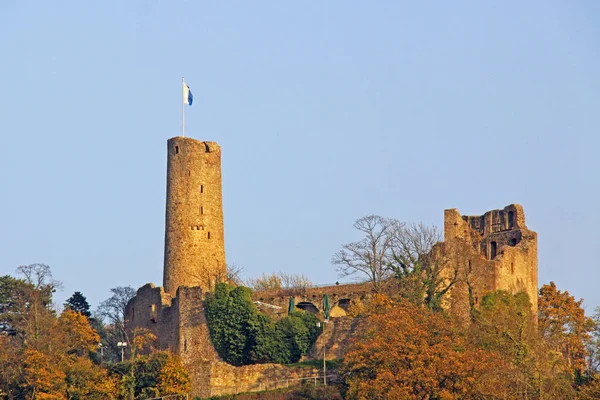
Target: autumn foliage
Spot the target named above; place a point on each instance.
(47, 356)
(408, 352)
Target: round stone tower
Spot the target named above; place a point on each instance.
(194, 236)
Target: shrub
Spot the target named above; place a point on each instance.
(242, 335)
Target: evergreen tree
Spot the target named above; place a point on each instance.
(78, 303)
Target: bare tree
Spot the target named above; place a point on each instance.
(294, 281)
(113, 308)
(265, 282)
(426, 268)
(279, 280)
(37, 293)
(371, 256)
(234, 274)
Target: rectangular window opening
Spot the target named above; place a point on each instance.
(201, 210)
(209, 235)
(176, 149)
(493, 250)
(201, 188)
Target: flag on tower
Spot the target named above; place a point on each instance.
(187, 95)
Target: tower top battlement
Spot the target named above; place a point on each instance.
(196, 146)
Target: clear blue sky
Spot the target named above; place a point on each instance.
(325, 111)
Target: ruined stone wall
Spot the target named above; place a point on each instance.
(152, 309)
(194, 233)
(502, 255)
(180, 326)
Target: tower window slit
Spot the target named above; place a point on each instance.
(201, 210)
(176, 149)
(201, 189)
(208, 235)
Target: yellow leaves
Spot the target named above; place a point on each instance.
(43, 379)
(142, 339)
(85, 380)
(173, 378)
(76, 333)
(562, 322)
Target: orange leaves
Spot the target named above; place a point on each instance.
(142, 340)
(408, 352)
(563, 324)
(173, 378)
(76, 334)
(44, 380)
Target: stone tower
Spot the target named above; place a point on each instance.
(194, 234)
(502, 254)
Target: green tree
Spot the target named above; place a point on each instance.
(299, 331)
(242, 335)
(532, 367)
(78, 303)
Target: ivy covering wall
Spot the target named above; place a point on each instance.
(243, 335)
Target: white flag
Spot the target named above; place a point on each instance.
(187, 95)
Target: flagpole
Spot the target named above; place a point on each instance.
(182, 110)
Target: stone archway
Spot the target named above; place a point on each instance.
(344, 304)
(308, 307)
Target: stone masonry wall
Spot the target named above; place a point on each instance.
(502, 255)
(181, 328)
(311, 299)
(194, 233)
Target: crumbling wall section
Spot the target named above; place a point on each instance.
(502, 255)
(152, 309)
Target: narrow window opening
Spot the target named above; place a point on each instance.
(493, 250)
(201, 188)
(201, 210)
(511, 220)
(209, 235)
(153, 316)
(189, 173)
(513, 242)
(184, 344)
(176, 149)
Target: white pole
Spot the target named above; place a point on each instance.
(182, 109)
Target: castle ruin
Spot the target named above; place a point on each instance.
(499, 253)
